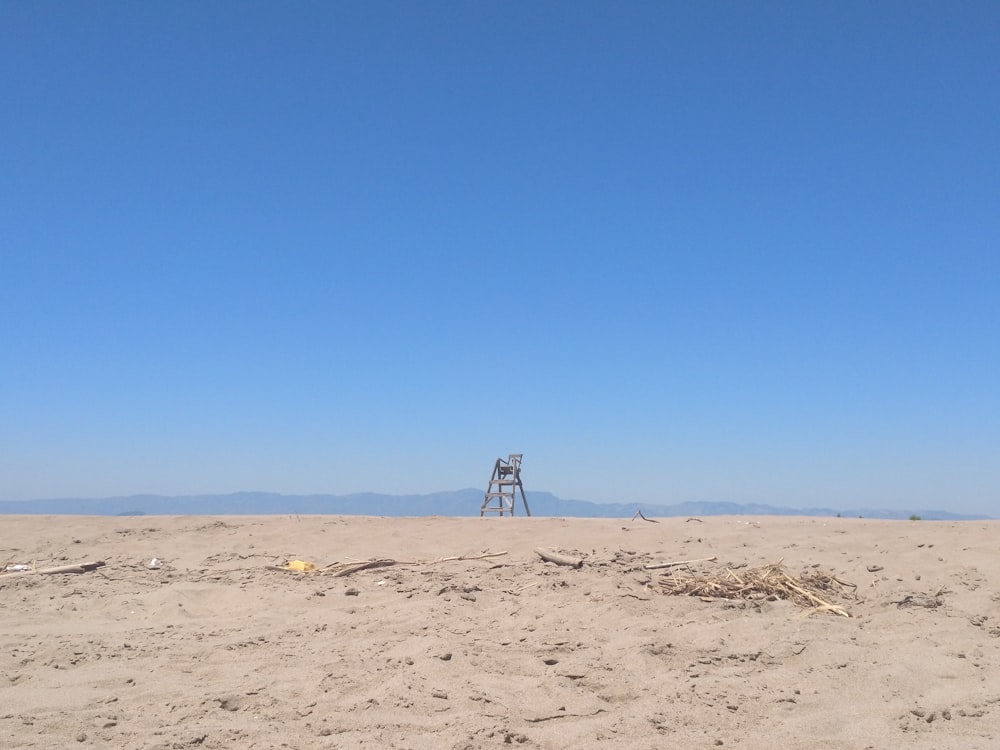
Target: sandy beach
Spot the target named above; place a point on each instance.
(462, 636)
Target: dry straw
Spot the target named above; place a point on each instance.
(813, 589)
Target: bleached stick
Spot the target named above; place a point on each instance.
(555, 557)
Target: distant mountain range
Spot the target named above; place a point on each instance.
(458, 503)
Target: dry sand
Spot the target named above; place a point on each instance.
(216, 650)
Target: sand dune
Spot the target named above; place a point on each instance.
(215, 649)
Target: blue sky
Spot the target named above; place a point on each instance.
(668, 251)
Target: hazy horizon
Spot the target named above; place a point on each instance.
(420, 504)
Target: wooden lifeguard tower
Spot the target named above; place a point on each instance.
(500, 492)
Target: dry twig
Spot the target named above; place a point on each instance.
(660, 566)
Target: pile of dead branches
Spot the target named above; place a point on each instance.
(812, 589)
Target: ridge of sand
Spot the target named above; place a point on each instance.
(216, 650)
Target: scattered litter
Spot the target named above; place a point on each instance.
(155, 564)
(295, 566)
(17, 568)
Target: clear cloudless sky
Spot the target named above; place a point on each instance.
(668, 251)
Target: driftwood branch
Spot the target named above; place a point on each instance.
(483, 556)
(84, 567)
(561, 715)
(638, 514)
(658, 566)
(558, 559)
(346, 570)
(340, 570)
